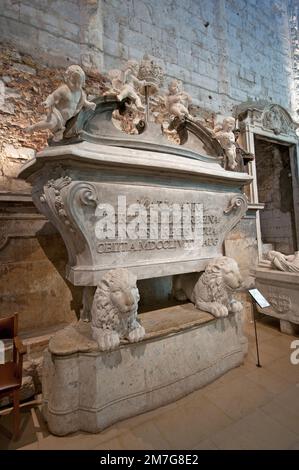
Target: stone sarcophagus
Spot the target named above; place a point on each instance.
(277, 277)
(138, 188)
(97, 191)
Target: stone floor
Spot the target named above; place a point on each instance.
(248, 408)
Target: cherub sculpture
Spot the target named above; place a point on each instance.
(125, 84)
(225, 136)
(178, 100)
(64, 103)
(170, 109)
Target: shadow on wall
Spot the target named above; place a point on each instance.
(54, 249)
(155, 293)
(32, 281)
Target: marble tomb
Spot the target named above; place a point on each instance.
(120, 178)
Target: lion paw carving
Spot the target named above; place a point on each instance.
(114, 310)
(213, 290)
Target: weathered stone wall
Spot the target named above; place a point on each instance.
(225, 51)
(275, 190)
(32, 254)
(294, 28)
(32, 268)
(56, 32)
(24, 85)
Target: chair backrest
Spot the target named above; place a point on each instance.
(9, 327)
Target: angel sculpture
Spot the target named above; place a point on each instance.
(170, 107)
(125, 84)
(64, 103)
(178, 101)
(225, 136)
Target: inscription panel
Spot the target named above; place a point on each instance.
(174, 227)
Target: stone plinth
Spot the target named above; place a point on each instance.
(281, 289)
(183, 350)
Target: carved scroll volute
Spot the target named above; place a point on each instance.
(50, 200)
(236, 209)
(82, 199)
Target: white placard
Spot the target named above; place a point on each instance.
(259, 298)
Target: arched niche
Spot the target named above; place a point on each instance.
(264, 124)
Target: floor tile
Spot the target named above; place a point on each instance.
(113, 444)
(267, 379)
(27, 430)
(285, 369)
(144, 436)
(255, 431)
(206, 444)
(239, 397)
(283, 412)
(247, 408)
(188, 425)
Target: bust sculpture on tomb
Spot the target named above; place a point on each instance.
(64, 103)
(114, 310)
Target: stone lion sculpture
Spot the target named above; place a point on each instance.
(212, 290)
(114, 310)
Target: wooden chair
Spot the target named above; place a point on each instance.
(11, 372)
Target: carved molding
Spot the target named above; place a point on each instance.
(236, 209)
(19, 226)
(280, 302)
(55, 187)
(267, 116)
(18, 217)
(278, 120)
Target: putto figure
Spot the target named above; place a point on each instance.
(224, 134)
(114, 310)
(131, 84)
(178, 100)
(64, 103)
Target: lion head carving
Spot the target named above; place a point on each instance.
(222, 272)
(213, 291)
(114, 309)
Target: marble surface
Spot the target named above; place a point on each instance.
(281, 289)
(138, 377)
(71, 181)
